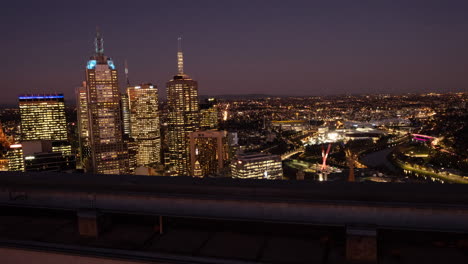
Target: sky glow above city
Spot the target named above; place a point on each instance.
(240, 47)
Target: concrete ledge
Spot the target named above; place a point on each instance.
(361, 245)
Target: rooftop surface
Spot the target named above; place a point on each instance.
(210, 241)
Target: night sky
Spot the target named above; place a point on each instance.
(238, 47)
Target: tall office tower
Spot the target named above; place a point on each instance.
(108, 154)
(257, 166)
(209, 114)
(182, 119)
(43, 117)
(15, 158)
(124, 104)
(208, 152)
(84, 150)
(132, 153)
(144, 120)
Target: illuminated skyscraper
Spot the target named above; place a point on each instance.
(208, 152)
(183, 117)
(102, 127)
(84, 151)
(144, 120)
(43, 117)
(124, 104)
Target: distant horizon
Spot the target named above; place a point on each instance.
(261, 96)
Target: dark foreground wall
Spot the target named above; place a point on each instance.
(395, 206)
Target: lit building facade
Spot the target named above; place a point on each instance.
(145, 125)
(209, 114)
(102, 127)
(3, 164)
(182, 119)
(4, 143)
(42, 155)
(43, 117)
(15, 158)
(208, 152)
(257, 166)
(124, 104)
(84, 150)
(132, 148)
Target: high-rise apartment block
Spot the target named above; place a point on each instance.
(183, 118)
(100, 118)
(208, 152)
(257, 166)
(144, 123)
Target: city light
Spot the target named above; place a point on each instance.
(282, 132)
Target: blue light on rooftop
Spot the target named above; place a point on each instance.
(91, 64)
(41, 97)
(111, 64)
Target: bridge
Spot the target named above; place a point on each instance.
(363, 210)
(291, 153)
(422, 137)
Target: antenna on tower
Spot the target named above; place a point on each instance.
(99, 42)
(180, 57)
(179, 44)
(126, 73)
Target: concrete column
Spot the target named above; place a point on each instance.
(361, 244)
(89, 223)
(158, 227)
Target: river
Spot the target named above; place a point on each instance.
(379, 159)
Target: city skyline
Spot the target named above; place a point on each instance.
(307, 49)
(249, 131)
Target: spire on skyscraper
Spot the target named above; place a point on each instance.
(126, 73)
(180, 57)
(99, 43)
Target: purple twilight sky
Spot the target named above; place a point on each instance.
(238, 47)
